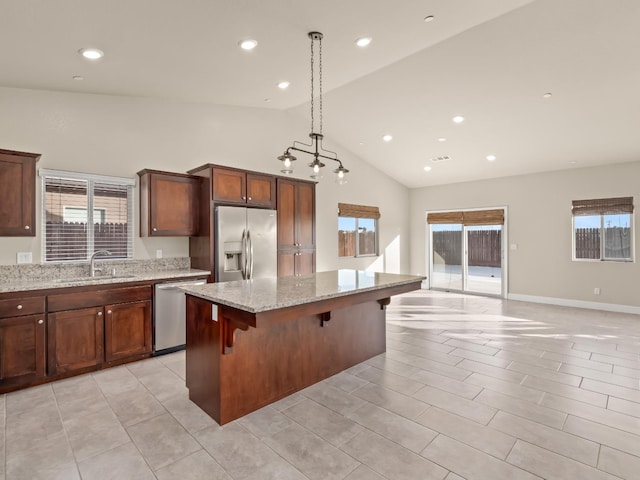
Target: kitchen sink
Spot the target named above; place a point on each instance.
(93, 279)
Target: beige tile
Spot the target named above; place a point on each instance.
(310, 454)
(470, 463)
(23, 429)
(243, 456)
(624, 406)
(600, 376)
(345, 381)
(552, 439)
(334, 428)
(597, 432)
(412, 339)
(593, 398)
(606, 417)
(474, 347)
(445, 358)
(522, 408)
(333, 398)
(390, 459)
(197, 466)
(265, 422)
(580, 362)
(506, 388)
(619, 463)
(545, 373)
(453, 476)
(552, 466)
(162, 440)
(45, 458)
(491, 371)
(622, 359)
(481, 358)
(121, 462)
(516, 355)
(447, 384)
(135, 405)
(94, 433)
(30, 399)
(395, 402)
(455, 404)
(626, 372)
(78, 396)
(426, 364)
(363, 473)
(384, 362)
(393, 427)
(163, 383)
(633, 395)
(471, 433)
(390, 380)
(190, 416)
(116, 380)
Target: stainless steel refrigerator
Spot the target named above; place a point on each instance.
(245, 243)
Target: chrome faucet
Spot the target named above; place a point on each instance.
(93, 258)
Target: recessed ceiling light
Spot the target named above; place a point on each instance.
(78, 77)
(248, 44)
(387, 138)
(363, 41)
(284, 85)
(491, 158)
(361, 143)
(442, 139)
(458, 119)
(427, 168)
(91, 53)
(547, 95)
(429, 18)
(267, 100)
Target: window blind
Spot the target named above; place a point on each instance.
(602, 206)
(357, 211)
(86, 213)
(472, 217)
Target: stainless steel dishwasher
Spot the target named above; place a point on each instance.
(170, 315)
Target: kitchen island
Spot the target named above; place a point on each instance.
(253, 342)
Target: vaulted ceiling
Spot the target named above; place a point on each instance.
(490, 61)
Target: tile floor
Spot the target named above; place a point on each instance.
(469, 388)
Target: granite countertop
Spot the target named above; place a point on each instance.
(17, 285)
(264, 294)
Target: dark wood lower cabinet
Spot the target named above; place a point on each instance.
(22, 349)
(298, 263)
(127, 330)
(76, 339)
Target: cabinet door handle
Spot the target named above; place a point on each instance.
(40, 322)
(244, 198)
(249, 198)
(108, 312)
(27, 227)
(99, 314)
(155, 229)
(19, 307)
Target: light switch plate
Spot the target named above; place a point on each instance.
(214, 313)
(159, 253)
(24, 257)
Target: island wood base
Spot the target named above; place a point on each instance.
(244, 361)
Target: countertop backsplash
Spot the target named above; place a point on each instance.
(54, 271)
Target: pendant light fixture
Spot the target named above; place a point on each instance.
(316, 149)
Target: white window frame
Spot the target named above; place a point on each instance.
(91, 180)
(357, 230)
(602, 258)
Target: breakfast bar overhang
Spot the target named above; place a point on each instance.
(253, 342)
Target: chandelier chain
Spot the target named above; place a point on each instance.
(312, 85)
(320, 74)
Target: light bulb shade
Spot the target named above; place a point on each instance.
(341, 175)
(287, 163)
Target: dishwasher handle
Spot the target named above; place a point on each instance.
(177, 285)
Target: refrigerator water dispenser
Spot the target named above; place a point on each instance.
(232, 251)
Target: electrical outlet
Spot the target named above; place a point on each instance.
(24, 257)
(159, 253)
(513, 246)
(596, 291)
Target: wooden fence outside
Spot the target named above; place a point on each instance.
(347, 243)
(618, 243)
(484, 247)
(68, 240)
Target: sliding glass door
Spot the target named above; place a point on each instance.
(466, 251)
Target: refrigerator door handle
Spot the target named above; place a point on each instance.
(243, 255)
(250, 252)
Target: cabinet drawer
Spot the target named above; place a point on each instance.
(95, 298)
(21, 306)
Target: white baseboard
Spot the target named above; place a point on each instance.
(566, 302)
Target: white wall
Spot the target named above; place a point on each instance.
(539, 222)
(121, 135)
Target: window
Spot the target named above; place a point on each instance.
(357, 230)
(602, 229)
(84, 213)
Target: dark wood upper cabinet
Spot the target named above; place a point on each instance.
(296, 227)
(168, 204)
(231, 185)
(17, 193)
